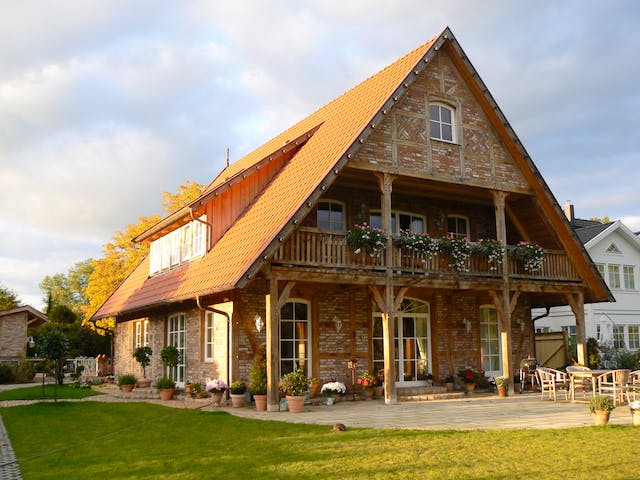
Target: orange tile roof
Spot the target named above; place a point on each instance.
(340, 122)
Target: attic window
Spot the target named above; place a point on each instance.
(178, 247)
(441, 123)
(613, 249)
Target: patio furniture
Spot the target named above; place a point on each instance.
(578, 382)
(551, 381)
(528, 373)
(633, 387)
(614, 384)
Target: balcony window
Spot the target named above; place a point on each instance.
(331, 216)
(407, 221)
(458, 225)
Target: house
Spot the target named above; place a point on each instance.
(615, 249)
(14, 324)
(262, 256)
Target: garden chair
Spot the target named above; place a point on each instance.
(614, 384)
(551, 381)
(578, 382)
(633, 387)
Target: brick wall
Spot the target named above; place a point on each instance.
(13, 336)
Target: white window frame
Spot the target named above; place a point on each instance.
(137, 338)
(633, 336)
(395, 219)
(614, 275)
(601, 269)
(209, 337)
(571, 331)
(179, 246)
(484, 319)
(628, 274)
(458, 235)
(307, 354)
(618, 336)
(145, 333)
(440, 123)
(331, 203)
(177, 336)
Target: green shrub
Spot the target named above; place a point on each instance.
(295, 383)
(24, 372)
(164, 383)
(127, 380)
(258, 384)
(6, 374)
(600, 403)
(238, 387)
(627, 360)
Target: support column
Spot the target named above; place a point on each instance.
(576, 302)
(273, 347)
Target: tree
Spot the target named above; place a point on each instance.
(53, 346)
(604, 219)
(186, 193)
(68, 289)
(62, 314)
(8, 299)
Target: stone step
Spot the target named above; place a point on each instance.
(408, 391)
(430, 396)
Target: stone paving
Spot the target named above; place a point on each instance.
(477, 412)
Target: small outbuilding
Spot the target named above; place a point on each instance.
(14, 324)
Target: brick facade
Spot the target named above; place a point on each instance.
(13, 336)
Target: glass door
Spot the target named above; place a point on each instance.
(490, 350)
(412, 343)
(176, 335)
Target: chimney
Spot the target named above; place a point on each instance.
(568, 211)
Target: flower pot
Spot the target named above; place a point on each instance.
(379, 392)
(635, 417)
(469, 387)
(217, 398)
(314, 389)
(330, 401)
(261, 402)
(126, 388)
(237, 400)
(601, 417)
(368, 393)
(502, 391)
(296, 404)
(188, 389)
(449, 386)
(143, 384)
(166, 393)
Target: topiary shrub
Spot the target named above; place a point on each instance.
(258, 376)
(6, 374)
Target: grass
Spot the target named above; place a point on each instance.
(138, 440)
(35, 393)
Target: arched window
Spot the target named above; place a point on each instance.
(331, 215)
(441, 124)
(295, 331)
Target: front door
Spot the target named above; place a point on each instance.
(176, 334)
(412, 343)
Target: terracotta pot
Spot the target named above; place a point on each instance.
(217, 398)
(166, 393)
(502, 391)
(469, 387)
(126, 388)
(143, 384)
(261, 402)
(237, 400)
(368, 393)
(188, 389)
(314, 389)
(601, 417)
(296, 404)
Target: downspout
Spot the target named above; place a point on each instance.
(228, 317)
(533, 321)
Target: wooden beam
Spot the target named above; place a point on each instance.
(576, 302)
(514, 219)
(273, 346)
(284, 296)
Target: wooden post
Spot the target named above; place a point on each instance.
(576, 302)
(273, 347)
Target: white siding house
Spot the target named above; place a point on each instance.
(616, 252)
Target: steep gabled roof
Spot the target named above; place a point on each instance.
(587, 231)
(610, 228)
(34, 317)
(339, 128)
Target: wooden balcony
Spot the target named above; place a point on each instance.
(312, 249)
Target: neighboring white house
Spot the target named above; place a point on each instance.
(616, 252)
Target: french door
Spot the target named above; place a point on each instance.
(176, 336)
(412, 339)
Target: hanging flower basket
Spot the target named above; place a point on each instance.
(459, 250)
(530, 254)
(492, 250)
(364, 237)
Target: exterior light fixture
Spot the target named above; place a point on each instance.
(259, 323)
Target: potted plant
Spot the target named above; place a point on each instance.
(372, 240)
(236, 391)
(469, 377)
(167, 387)
(367, 382)
(501, 384)
(530, 254)
(143, 357)
(635, 412)
(295, 385)
(170, 356)
(127, 382)
(216, 387)
(258, 378)
(333, 390)
(600, 407)
(314, 387)
(449, 382)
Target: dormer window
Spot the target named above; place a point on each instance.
(441, 123)
(178, 247)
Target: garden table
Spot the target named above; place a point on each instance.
(590, 374)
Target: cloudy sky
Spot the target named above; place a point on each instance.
(105, 104)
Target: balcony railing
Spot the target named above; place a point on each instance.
(330, 250)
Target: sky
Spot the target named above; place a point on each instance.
(106, 104)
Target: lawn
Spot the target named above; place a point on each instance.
(138, 440)
(35, 393)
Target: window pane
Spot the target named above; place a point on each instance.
(287, 311)
(301, 311)
(435, 129)
(377, 327)
(445, 115)
(286, 330)
(405, 222)
(434, 112)
(417, 225)
(375, 219)
(287, 349)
